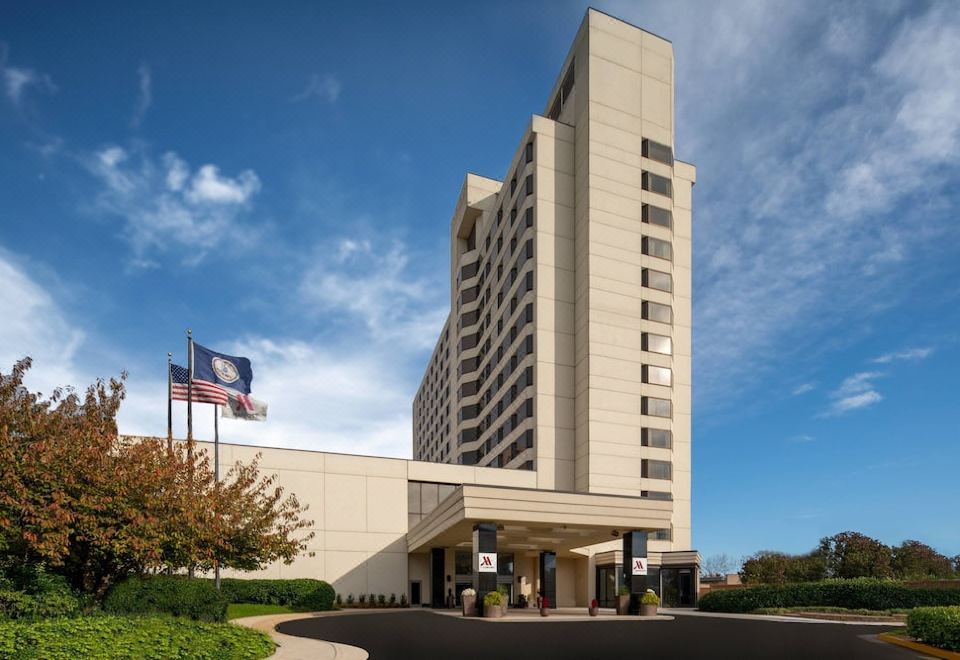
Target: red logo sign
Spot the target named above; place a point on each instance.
(639, 566)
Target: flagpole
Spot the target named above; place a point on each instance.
(216, 478)
(169, 402)
(189, 394)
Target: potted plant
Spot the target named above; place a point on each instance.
(468, 599)
(505, 597)
(623, 600)
(594, 608)
(648, 603)
(544, 606)
(492, 605)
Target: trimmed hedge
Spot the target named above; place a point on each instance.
(859, 593)
(167, 594)
(936, 626)
(315, 595)
(115, 637)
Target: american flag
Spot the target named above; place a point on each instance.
(203, 391)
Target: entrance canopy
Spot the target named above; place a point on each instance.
(532, 519)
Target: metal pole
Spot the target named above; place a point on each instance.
(189, 394)
(216, 478)
(169, 402)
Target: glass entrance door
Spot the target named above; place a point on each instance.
(609, 579)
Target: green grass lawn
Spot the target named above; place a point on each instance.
(238, 610)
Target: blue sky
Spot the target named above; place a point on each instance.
(281, 180)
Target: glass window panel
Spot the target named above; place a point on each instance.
(655, 247)
(655, 279)
(661, 438)
(657, 343)
(656, 151)
(656, 407)
(656, 312)
(655, 215)
(657, 375)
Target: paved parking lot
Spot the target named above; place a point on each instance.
(422, 634)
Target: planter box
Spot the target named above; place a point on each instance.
(469, 604)
(623, 604)
(593, 611)
(648, 610)
(493, 612)
(544, 611)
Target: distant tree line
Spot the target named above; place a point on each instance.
(850, 555)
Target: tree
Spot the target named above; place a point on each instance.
(765, 567)
(915, 560)
(852, 554)
(719, 564)
(97, 506)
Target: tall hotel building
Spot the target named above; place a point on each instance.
(551, 432)
(567, 348)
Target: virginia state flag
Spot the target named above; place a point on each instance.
(232, 373)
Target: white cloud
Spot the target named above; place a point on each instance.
(802, 438)
(855, 392)
(35, 326)
(375, 285)
(208, 187)
(144, 97)
(164, 205)
(812, 132)
(855, 402)
(803, 388)
(17, 80)
(325, 88)
(907, 354)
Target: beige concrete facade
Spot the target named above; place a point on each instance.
(555, 408)
(567, 351)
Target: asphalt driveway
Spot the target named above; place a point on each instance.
(421, 634)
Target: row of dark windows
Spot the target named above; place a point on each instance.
(563, 94)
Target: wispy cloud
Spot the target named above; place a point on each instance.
(855, 392)
(820, 207)
(17, 80)
(799, 439)
(803, 388)
(325, 88)
(907, 354)
(165, 204)
(144, 96)
(374, 284)
(34, 325)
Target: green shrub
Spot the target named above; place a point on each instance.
(115, 637)
(649, 598)
(270, 592)
(492, 599)
(167, 594)
(936, 626)
(21, 605)
(318, 600)
(859, 593)
(623, 590)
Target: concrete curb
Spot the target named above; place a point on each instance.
(780, 619)
(301, 648)
(932, 651)
(533, 616)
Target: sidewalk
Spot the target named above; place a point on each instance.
(301, 648)
(530, 615)
(778, 618)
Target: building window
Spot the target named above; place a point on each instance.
(656, 151)
(529, 185)
(661, 535)
(566, 87)
(655, 215)
(652, 311)
(654, 247)
(660, 438)
(655, 279)
(656, 343)
(655, 407)
(657, 375)
(528, 152)
(651, 469)
(656, 183)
